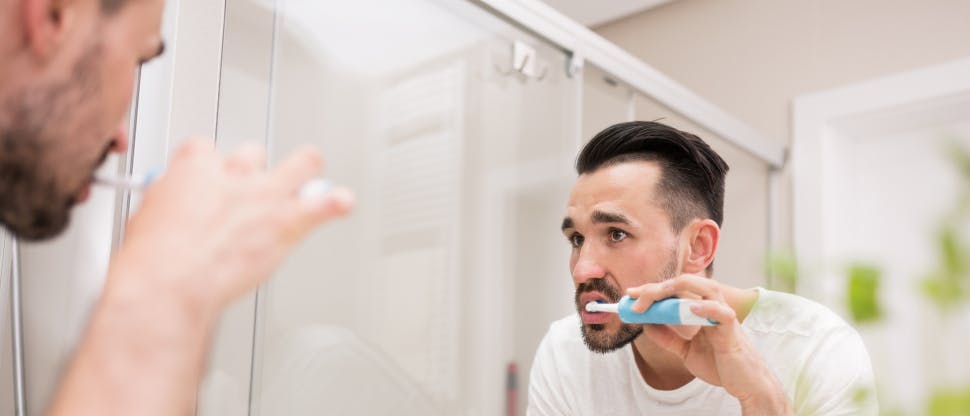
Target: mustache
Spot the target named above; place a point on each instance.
(598, 285)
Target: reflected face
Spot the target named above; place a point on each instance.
(621, 237)
(60, 126)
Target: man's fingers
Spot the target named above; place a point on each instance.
(649, 293)
(195, 147)
(298, 168)
(717, 311)
(248, 159)
(687, 286)
(703, 287)
(335, 203)
(312, 212)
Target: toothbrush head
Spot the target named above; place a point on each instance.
(601, 306)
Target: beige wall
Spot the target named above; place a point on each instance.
(752, 57)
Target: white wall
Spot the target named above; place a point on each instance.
(752, 57)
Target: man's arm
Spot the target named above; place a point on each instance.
(141, 354)
(210, 230)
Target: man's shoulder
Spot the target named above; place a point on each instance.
(819, 358)
(785, 313)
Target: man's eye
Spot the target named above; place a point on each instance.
(617, 236)
(576, 240)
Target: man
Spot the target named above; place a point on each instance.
(644, 219)
(209, 230)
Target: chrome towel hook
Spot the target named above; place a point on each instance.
(524, 63)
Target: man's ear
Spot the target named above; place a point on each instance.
(46, 23)
(702, 238)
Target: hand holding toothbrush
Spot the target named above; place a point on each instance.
(720, 354)
(210, 228)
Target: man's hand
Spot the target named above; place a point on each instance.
(720, 355)
(212, 228)
(209, 230)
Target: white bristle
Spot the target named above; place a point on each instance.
(602, 307)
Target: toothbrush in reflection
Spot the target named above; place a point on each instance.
(314, 188)
(670, 311)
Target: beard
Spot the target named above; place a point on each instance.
(596, 336)
(40, 176)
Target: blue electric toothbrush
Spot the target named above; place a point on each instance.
(670, 311)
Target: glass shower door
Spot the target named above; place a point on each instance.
(443, 280)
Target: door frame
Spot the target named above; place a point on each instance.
(823, 121)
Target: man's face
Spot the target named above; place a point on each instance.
(57, 128)
(621, 237)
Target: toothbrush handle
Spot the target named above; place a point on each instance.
(670, 311)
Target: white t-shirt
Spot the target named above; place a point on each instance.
(819, 359)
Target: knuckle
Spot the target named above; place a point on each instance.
(193, 146)
(311, 158)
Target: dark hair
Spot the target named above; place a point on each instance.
(691, 174)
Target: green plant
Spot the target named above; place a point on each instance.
(863, 293)
(948, 285)
(949, 402)
(783, 269)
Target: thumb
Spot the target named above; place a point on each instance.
(318, 210)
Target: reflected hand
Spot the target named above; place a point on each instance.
(720, 355)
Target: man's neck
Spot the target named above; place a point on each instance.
(658, 367)
(662, 369)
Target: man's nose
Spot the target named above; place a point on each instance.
(587, 266)
(120, 138)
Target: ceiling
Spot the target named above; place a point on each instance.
(596, 12)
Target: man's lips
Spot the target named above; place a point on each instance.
(593, 317)
(593, 297)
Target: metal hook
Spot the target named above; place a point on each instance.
(522, 55)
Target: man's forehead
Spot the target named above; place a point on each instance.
(626, 189)
(633, 179)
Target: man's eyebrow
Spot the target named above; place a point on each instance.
(600, 217)
(567, 223)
